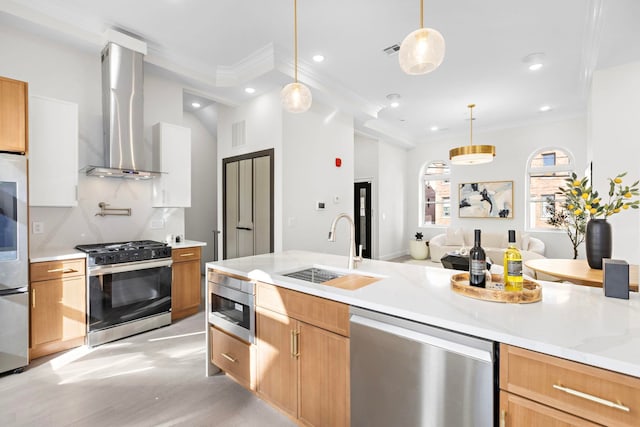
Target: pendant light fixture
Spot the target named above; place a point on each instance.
(296, 97)
(472, 154)
(422, 51)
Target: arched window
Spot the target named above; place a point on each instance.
(435, 194)
(547, 170)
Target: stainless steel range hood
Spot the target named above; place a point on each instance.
(122, 110)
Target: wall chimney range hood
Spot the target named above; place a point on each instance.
(122, 112)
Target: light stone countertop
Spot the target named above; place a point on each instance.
(573, 322)
(55, 254)
(187, 244)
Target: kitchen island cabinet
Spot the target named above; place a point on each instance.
(58, 306)
(13, 116)
(303, 355)
(185, 282)
(537, 389)
(575, 333)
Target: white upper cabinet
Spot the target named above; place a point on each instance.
(53, 152)
(172, 157)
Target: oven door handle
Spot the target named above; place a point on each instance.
(101, 270)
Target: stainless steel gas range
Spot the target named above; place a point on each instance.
(129, 288)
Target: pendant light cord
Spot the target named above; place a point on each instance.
(421, 13)
(471, 123)
(295, 40)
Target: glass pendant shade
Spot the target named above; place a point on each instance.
(422, 51)
(296, 97)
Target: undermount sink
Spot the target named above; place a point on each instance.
(314, 275)
(347, 280)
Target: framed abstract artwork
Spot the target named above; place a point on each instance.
(491, 199)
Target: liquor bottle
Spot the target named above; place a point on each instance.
(512, 265)
(477, 263)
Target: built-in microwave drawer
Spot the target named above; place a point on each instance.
(233, 356)
(599, 395)
(49, 270)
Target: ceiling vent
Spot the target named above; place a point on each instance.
(392, 50)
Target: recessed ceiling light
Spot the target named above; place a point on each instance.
(434, 128)
(395, 100)
(318, 58)
(249, 90)
(545, 108)
(195, 104)
(534, 61)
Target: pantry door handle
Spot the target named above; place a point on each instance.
(229, 358)
(33, 298)
(591, 398)
(503, 418)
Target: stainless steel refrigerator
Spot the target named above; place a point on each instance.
(14, 264)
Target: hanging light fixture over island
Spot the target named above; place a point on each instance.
(472, 154)
(422, 51)
(296, 97)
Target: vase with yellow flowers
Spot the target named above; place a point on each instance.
(581, 199)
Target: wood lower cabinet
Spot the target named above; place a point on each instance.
(543, 390)
(58, 306)
(303, 368)
(518, 411)
(185, 283)
(13, 115)
(233, 356)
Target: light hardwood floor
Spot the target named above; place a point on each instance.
(152, 379)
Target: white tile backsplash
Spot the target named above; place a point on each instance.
(67, 227)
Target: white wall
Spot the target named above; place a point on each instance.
(615, 146)
(263, 121)
(366, 167)
(513, 148)
(59, 71)
(392, 198)
(305, 147)
(386, 165)
(311, 143)
(201, 218)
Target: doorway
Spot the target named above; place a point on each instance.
(362, 211)
(247, 204)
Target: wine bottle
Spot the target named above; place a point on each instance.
(477, 263)
(512, 265)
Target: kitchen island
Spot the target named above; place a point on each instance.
(577, 323)
(389, 342)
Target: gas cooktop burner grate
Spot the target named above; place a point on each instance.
(121, 252)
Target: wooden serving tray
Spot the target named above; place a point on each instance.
(531, 291)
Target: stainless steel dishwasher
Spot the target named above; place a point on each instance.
(405, 373)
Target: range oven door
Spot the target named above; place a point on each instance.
(123, 293)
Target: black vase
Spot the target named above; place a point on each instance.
(598, 242)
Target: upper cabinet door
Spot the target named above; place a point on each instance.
(13, 115)
(53, 157)
(172, 157)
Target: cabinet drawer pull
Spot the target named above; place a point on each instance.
(591, 398)
(189, 254)
(63, 270)
(296, 344)
(229, 358)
